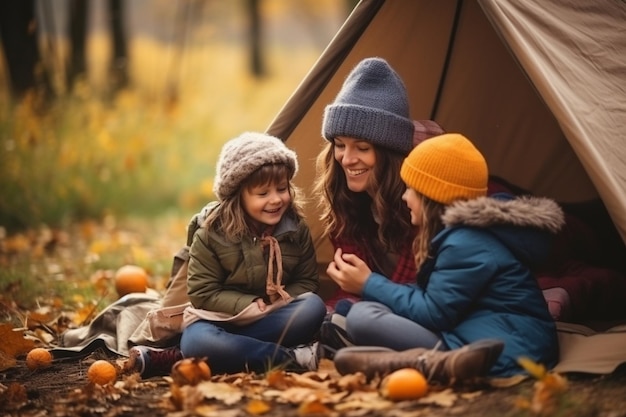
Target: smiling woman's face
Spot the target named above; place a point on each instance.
(357, 158)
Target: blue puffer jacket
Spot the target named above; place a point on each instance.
(479, 283)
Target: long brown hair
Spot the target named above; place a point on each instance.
(431, 225)
(230, 218)
(350, 215)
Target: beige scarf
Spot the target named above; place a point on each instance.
(274, 290)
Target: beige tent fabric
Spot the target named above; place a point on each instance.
(458, 72)
(575, 54)
(539, 86)
(583, 349)
(486, 95)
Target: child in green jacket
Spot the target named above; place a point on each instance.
(252, 277)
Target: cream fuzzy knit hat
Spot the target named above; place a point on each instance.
(446, 168)
(246, 153)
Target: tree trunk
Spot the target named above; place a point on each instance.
(257, 64)
(78, 34)
(119, 66)
(19, 39)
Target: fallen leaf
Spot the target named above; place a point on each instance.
(38, 318)
(306, 381)
(277, 379)
(537, 370)
(220, 391)
(507, 382)
(352, 382)
(258, 407)
(14, 396)
(208, 410)
(13, 342)
(471, 395)
(547, 394)
(186, 398)
(445, 398)
(326, 366)
(6, 361)
(211, 411)
(364, 401)
(313, 407)
(295, 395)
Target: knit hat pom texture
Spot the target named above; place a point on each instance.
(246, 153)
(446, 168)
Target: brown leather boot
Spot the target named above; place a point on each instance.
(444, 367)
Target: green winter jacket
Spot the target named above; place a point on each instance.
(227, 277)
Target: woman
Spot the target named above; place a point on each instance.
(368, 133)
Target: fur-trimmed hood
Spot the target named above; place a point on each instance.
(503, 209)
(525, 225)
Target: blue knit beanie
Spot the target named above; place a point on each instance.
(372, 105)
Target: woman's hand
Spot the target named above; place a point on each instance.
(348, 271)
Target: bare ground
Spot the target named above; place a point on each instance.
(63, 390)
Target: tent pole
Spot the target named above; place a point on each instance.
(451, 42)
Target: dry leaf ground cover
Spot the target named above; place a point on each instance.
(84, 258)
(63, 390)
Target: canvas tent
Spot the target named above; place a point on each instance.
(538, 85)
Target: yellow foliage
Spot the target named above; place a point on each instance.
(206, 187)
(548, 389)
(17, 243)
(536, 370)
(83, 314)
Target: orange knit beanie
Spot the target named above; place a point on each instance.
(446, 168)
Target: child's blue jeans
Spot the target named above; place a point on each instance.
(259, 346)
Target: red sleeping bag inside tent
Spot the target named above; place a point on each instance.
(584, 279)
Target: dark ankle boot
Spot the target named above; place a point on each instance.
(443, 367)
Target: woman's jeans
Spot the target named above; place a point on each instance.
(258, 346)
(369, 323)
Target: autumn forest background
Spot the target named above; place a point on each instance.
(112, 114)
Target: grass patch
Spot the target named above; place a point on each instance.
(73, 269)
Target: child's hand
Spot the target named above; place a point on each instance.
(348, 271)
(261, 304)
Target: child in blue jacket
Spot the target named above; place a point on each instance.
(474, 285)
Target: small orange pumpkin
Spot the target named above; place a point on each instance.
(129, 279)
(38, 358)
(102, 372)
(404, 384)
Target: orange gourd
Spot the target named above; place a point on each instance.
(38, 358)
(404, 384)
(102, 372)
(129, 279)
